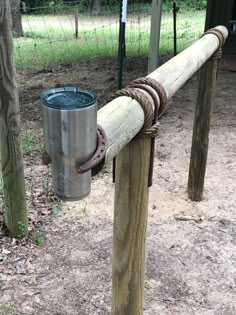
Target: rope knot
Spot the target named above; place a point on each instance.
(156, 94)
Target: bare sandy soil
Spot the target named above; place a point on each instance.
(191, 247)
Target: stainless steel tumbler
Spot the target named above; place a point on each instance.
(70, 136)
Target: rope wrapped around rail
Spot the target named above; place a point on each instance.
(156, 94)
(220, 36)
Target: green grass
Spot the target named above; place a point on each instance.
(6, 309)
(53, 44)
(38, 237)
(29, 143)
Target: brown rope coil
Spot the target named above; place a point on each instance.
(159, 90)
(220, 36)
(150, 128)
(142, 99)
(217, 54)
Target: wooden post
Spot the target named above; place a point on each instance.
(130, 221)
(76, 22)
(11, 154)
(155, 35)
(201, 129)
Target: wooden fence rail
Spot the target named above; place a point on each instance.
(123, 117)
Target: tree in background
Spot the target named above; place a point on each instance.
(17, 28)
(37, 3)
(95, 7)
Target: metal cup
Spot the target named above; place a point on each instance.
(70, 136)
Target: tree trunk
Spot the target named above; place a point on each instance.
(17, 29)
(11, 153)
(95, 7)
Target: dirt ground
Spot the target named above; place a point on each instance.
(64, 267)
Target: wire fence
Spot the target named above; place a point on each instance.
(51, 38)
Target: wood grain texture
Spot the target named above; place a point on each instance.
(129, 234)
(123, 117)
(17, 28)
(155, 35)
(201, 129)
(11, 154)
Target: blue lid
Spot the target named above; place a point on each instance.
(68, 98)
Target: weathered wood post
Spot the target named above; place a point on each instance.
(201, 128)
(11, 154)
(153, 59)
(129, 233)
